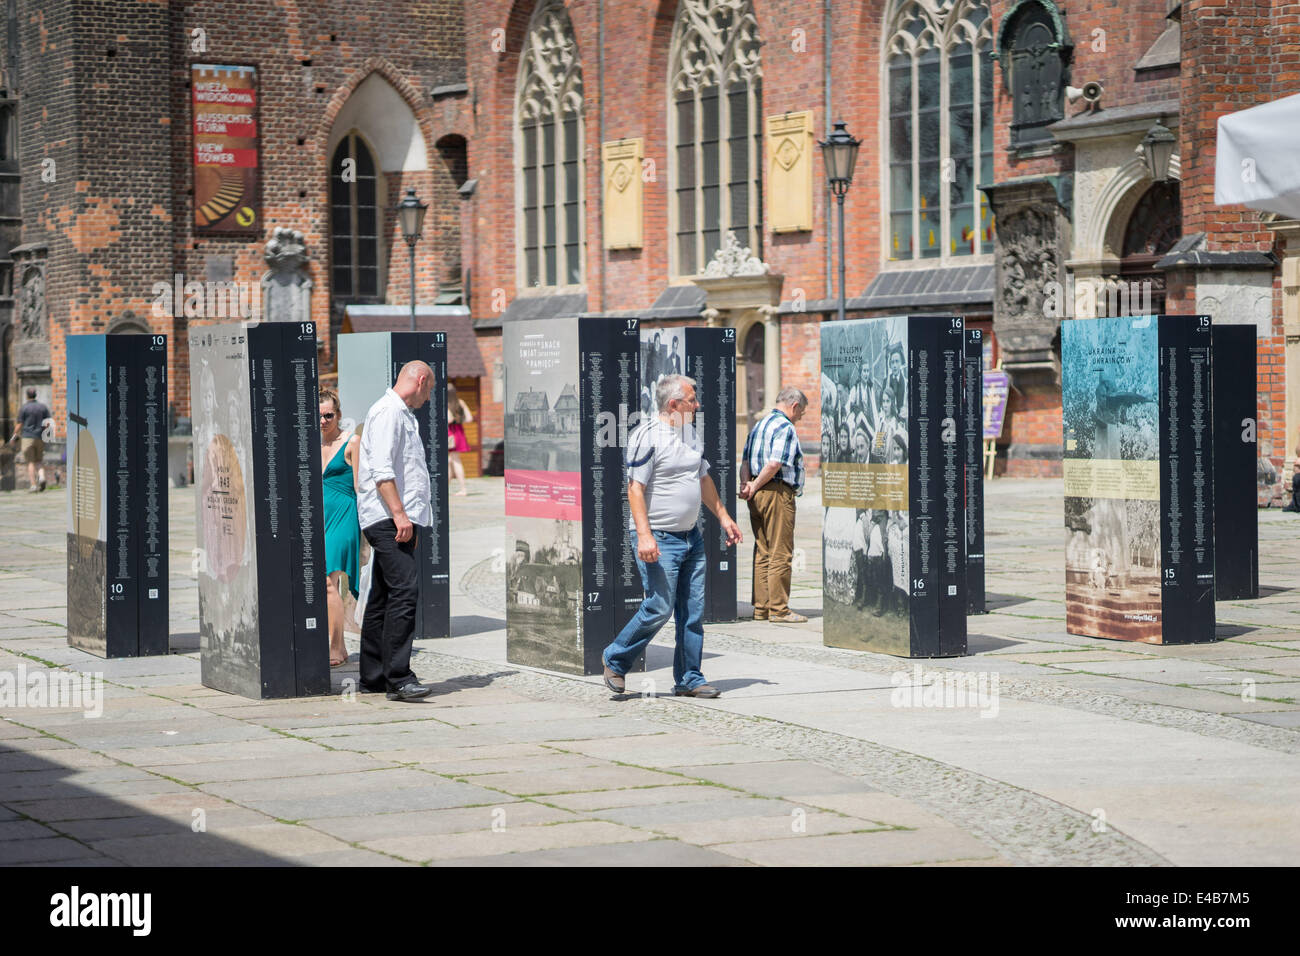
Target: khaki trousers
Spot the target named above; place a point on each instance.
(771, 514)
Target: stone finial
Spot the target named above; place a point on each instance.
(733, 259)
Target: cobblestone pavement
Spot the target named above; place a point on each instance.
(1093, 752)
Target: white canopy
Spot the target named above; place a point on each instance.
(1258, 159)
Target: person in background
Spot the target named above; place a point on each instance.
(393, 498)
(772, 474)
(31, 426)
(338, 459)
(458, 416)
(1295, 482)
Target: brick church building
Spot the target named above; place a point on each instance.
(649, 158)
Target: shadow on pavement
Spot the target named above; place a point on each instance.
(995, 602)
(463, 625)
(1223, 632)
(186, 642)
(48, 820)
(983, 643)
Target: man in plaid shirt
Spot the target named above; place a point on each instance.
(771, 475)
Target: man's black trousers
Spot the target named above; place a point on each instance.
(388, 626)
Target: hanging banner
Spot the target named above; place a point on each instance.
(997, 386)
(227, 180)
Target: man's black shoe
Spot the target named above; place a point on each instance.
(412, 691)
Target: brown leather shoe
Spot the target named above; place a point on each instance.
(789, 617)
(615, 682)
(760, 615)
(702, 691)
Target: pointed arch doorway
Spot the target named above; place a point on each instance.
(1153, 227)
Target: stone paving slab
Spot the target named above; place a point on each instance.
(656, 853)
(685, 792)
(882, 809)
(51, 849)
(661, 817)
(525, 782)
(508, 840)
(799, 824)
(506, 811)
(1279, 719)
(216, 820)
(877, 848)
(258, 768)
(778, 778)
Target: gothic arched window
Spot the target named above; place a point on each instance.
(714, 129)
(940, 130)
(548, 150)
(354, 220)
(1034, 54)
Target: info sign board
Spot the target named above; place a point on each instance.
(227, 179)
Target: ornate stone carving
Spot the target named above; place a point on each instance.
(552, 71)
(1027, 262)
(32, 320)
(733, 259)
(1030, 239)
(712, 36)
(286, 289)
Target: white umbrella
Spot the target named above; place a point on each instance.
(1258, 158)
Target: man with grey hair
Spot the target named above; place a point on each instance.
(771, 475)
(393, 498)
(668, 480)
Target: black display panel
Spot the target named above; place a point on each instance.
(711, 362)
(974, 382)
(1187, 519)
(1236, 513)
(433, 612)
(117, 504)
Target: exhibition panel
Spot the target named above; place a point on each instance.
(1139, 478)
(894, 533)
(259, 516)
(117, 494)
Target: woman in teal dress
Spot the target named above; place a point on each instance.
(338, 454)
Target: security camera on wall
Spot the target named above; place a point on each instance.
(1090, 93)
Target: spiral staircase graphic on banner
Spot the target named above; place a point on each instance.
(227, 198)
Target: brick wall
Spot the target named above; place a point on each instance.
(105, 93)
(106, 218)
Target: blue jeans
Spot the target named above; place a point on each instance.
(674, 583)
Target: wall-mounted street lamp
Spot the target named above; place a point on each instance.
(410, 213)
(840, 151)
(1157, 150)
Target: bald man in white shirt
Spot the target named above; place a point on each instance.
(393, 499)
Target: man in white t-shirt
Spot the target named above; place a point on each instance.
(668, 480)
